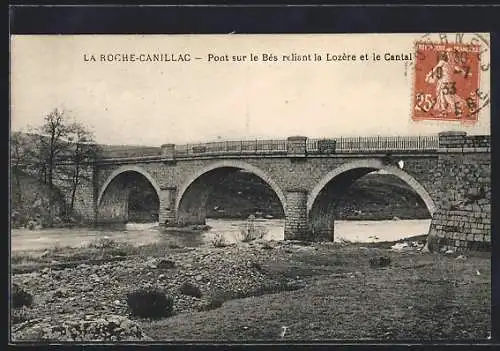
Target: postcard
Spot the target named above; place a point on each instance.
(241, 188)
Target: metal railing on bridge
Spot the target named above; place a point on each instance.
(318, 146)
(232, 148)
(372, 144)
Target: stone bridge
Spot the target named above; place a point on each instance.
(449, 171)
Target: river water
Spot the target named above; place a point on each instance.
(145, 233)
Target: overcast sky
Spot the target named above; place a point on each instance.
(152, 103)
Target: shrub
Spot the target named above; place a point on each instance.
(20, 297)
(218, 240)
(32, 225)
(103, 243)
(380, 261)
(190, 289)
(251, 231)
(216, 300)
(150, 303)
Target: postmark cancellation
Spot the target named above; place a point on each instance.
(447, 81)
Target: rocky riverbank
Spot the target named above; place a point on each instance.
(72, 293)
(89, 301)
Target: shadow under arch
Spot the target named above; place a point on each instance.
(320, 207)
(192, 197)
(113, 197)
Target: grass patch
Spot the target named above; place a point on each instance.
(218, 298)
(218, 240)
(251, 231)
(390, 304)
(100, 249)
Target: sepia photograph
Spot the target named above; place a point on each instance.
(249, 188)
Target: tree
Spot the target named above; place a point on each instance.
(52, 143)
(59, 153)
(81, 152)
(21, 157)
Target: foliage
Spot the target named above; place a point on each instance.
(250, 231)
(150, 303)
(81, 152)
(20, 297)
(218, 240)
(57, 153)
(105, 247)
(190, 289)
(380, 261)
(103, 243)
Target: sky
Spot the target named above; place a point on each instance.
(153, 103)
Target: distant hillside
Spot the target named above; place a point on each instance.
(30, 140)
(374, 196)
(128, 150)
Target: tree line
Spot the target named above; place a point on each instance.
(58, 153)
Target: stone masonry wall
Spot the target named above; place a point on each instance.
(296, 214)
(455, 180)
(284, 172)
(463, 217)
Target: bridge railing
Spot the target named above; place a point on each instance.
(372, 144)
(319, 146)
(232, 148)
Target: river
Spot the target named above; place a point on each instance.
(145, 233)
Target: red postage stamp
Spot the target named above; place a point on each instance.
(446, 82)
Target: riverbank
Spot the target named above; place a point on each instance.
(249, 291)
(193, 236)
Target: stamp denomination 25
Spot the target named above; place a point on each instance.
(447, 81)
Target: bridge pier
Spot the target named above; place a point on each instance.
(450, 171)
(322, 218)
(296, 225)
(166, 214)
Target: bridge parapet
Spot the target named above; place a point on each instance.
(297, 146)
(461, 142)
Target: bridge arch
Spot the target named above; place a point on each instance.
(113, 196)
(321, 214)
(124, 169)
(212, 173)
